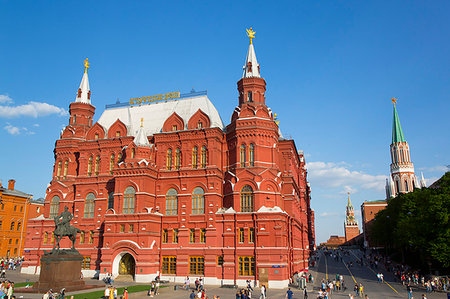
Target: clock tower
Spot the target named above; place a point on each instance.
(350, 225)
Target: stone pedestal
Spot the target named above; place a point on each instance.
(59, 271)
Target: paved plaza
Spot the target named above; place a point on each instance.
(326, 268)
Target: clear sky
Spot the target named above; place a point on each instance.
(330, 66)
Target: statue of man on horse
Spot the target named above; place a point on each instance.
(64, 229)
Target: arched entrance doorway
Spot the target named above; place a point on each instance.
(127, 266)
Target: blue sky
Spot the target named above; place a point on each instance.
(331, 68)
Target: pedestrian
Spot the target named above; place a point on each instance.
(305, 293)
(263, 292)
(409, 290)
(125, 294)
(356, 289)
(192, 295)
(157, 287)
(361, 290)
(187, 283)
(107, 292)
(238, 295)
(289, 294)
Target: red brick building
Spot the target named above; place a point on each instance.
(159, 186)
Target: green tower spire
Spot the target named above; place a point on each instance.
(397, 133)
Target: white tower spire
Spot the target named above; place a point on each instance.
(84, 92)
(423, 183)
(251, 66)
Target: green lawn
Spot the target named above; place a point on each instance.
(99, 294)
(23, 284)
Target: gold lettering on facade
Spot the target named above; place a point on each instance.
(155, 98)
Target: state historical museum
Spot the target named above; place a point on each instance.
(159, 186)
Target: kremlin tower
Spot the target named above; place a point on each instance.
(351, 225)
(402, 178)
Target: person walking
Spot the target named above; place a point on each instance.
(263, 292)
(192, 295)
(305, 293)
(289, 294)
(409, 290)
(125, 294)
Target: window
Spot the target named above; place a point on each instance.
(10, 241)
(15, 250)
(111, 163)
(96, 136)
(15, 208)
(17, 241)
(0, 225)
(174, 128)
(128, 200)
(406, 186)
(133, 153)
(117, 133)
(243, 155)
(12, 225)
(66, 167)
(251, 235)
(196, 265)
(198, 201)
(89, 206)
(251, 157)
(45, 238)
(89, 172)
(177, 159)
(192, 235)
(169, 159)
(199, 125)
(246, 266)
(122, 228)
(172, 202)
(19, 226)
(194, 157)
(82, 237)
(241, 235)
(52, 238)
(203, 235)
(74, 119)
(21, 209)
(91, 237)
(169, 265)
(397, 187)
(111, 200)
(220, 260)
(58, 171)
(165, 235)
(54, 206)
(86, 263)
(119, 158)
(249, 96)
(131, 228)
(97, 165)
(246, 199)
(175, 236)
(203, 157)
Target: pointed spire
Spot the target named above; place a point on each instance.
(84, 92)
(397, 133)
(423, 183)
(349, 202)
(141, 138)
(251, 66)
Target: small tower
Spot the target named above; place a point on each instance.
(403, 179)
(82, 111)
(350, 225)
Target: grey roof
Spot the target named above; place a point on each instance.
(14, 192)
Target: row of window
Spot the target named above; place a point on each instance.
(178, 158)
(82, 238)
(197, 265)
(192, 236)
(129, 198)
(251, 155)
(13, 226)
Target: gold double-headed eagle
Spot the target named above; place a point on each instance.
(86, 65)
(250, 34)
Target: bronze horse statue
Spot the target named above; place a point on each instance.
(64, 229)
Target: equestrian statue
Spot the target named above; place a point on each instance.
(64, 229)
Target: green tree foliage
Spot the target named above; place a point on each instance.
(417, 224)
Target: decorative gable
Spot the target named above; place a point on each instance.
(199, 120)
(117, 129)
(173, 123)
(96, 132)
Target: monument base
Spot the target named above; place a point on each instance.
(60, 270)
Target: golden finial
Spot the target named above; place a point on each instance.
(250, 34)
(142, 122)
(86, 65)
(394, 100)
(276, 119)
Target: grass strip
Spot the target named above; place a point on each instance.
(100, 294)
(23, 284)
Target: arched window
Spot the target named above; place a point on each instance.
(111, 200)
(397, 187)
(133, 153)
(402, 156)
(243, 155)
(251, 157)
(172, 202)
(89, 206)
(169, 159)
(406, 186)
(66, 167)
(204, 157)
(58, 170)
(89, 172)
(54, 206)
(198, 201)
(128, 200)
(74, 119)
(82, 237)
(194, 157)
(12, 225)
(119, 158)
(246, 199)
(249, 96)
(177, 159)
(111, 164)
(45, 238)
(97, 165)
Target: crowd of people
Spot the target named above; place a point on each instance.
(7, 289)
